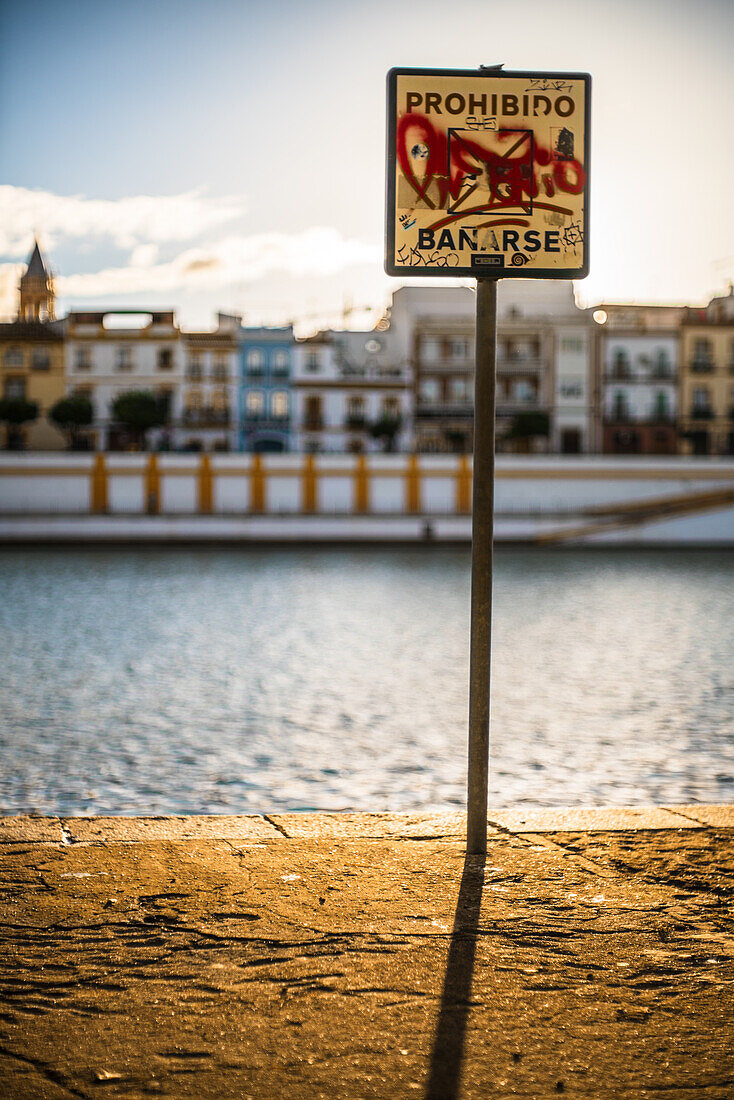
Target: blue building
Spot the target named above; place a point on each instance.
(264, 399)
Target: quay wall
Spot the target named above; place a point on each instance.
(637, 499)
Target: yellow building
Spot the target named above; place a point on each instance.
(32, 358)
(706, 398)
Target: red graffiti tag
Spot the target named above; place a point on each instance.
(514, 176)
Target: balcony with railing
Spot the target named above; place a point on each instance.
(433, 410)
(206, 417)
(263, 420)
(619, 372)
(702, 364)
(701, 412)
(519, 364)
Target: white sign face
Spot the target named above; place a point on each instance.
(487, 173)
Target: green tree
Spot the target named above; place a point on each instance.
(385, 429)
(72, 413)
(139, 411)
(15, 411)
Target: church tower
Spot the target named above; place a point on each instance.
(36, 290)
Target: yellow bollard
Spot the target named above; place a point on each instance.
(308, 485)
(206, 486)
(413, 486)
(98, 486)
(463, 487)
(257, 485)
(361, 486)
(152, 486)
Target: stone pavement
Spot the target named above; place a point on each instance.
(362, 956)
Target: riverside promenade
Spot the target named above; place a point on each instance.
(591, 953)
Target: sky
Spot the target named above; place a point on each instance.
(231, 155)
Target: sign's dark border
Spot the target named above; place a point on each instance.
(504, 272)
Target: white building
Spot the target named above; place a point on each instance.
(110, 352)
(544, 365)
(638, 367)
(351, 392)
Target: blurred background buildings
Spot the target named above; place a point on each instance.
(615, 379)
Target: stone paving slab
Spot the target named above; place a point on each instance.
(591, 818)
(29, 827)
(707, 815)
(587, 962)
(192, 827)
(371, 825)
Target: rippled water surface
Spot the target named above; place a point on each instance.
(223, 681)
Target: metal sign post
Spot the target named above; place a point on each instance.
(481, 565)
(487, 177)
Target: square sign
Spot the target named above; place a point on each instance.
(487, 173)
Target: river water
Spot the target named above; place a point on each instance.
(234, 681)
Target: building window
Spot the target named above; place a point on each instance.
(192, 406)
(193, 369)
(620, 363)
(312, 362)
(430, 349)
(40, 359)
(279, 404)
(459, 389)
(220, 405)
(523, 392)
(14, 357)
(255, 403)
(621, 408)
(572, 389)
(390, 408)
(662, 411)
(219, 369)
(124, 359)
(574, 344)
(82, 360)
(280, 361)
(255, 361)
(15, 387)
(701, 406)
(355, 411)
(430, 391)
(165, 359)
(458, 349)
(313, 412)
(702, 355)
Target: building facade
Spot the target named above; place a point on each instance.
(32, 359)
(707, 379)
(352, 392)
(544, 366)
(206, 416)
(637, 356)
(116, 351)
(264, 391)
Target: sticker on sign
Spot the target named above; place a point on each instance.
(487, 171)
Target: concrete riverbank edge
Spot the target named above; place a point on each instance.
(714, 531)
(363, 955)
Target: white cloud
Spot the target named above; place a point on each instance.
(211, 252)
(127, 222)
(236, 260)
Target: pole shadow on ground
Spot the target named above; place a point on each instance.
(448, 1047)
